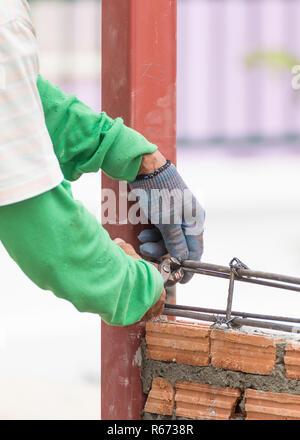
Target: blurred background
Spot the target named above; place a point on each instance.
(238, 149)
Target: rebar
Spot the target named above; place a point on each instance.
(234, 322)
(189, 264)
(238, 271)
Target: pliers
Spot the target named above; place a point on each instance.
(171, 270)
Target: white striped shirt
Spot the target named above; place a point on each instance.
(28, 165)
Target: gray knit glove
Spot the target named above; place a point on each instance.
(167, 202)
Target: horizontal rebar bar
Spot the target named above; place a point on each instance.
(234, 313)
(235, 321)
(246, 280)
(242, 272)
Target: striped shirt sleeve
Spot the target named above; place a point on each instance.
(28, 165)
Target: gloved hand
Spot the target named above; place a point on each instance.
(166, 201)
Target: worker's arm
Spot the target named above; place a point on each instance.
(55, 240)
(61, 247)
(85, 141)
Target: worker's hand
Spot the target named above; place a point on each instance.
(127, 248)
(158, 308)
(179, 219)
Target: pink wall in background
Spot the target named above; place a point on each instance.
(218, 96)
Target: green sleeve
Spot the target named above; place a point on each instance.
(85, 141)
(61, 247)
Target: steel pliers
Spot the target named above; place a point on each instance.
(171, 270)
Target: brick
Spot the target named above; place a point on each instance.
(161, 397)
(292, 360)
(205, 402)
(261, 405)
(241, 352)
(183, 342)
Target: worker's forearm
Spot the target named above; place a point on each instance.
(61, 247)
(85, 141)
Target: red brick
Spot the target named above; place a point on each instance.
(241, 352)
(183, 342)
(262, 405)
(161, 397)
(205, 402)
(292, 360)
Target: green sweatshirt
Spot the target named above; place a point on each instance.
(57, 243)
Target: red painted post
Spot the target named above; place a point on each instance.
(138, 84)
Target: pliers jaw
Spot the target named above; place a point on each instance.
(171, 271)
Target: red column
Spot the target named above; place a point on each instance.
(138, 84)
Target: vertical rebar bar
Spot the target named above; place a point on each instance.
(230, 296)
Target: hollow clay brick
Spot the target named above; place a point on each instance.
(161, 397)
(292, 361)
(181, 342)
(205, 402)
(261, 405)
(241, 352)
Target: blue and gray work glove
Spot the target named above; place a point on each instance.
(166, 201)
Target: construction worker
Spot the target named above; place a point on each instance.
(47, 139)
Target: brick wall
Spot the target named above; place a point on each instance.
(195, 371)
